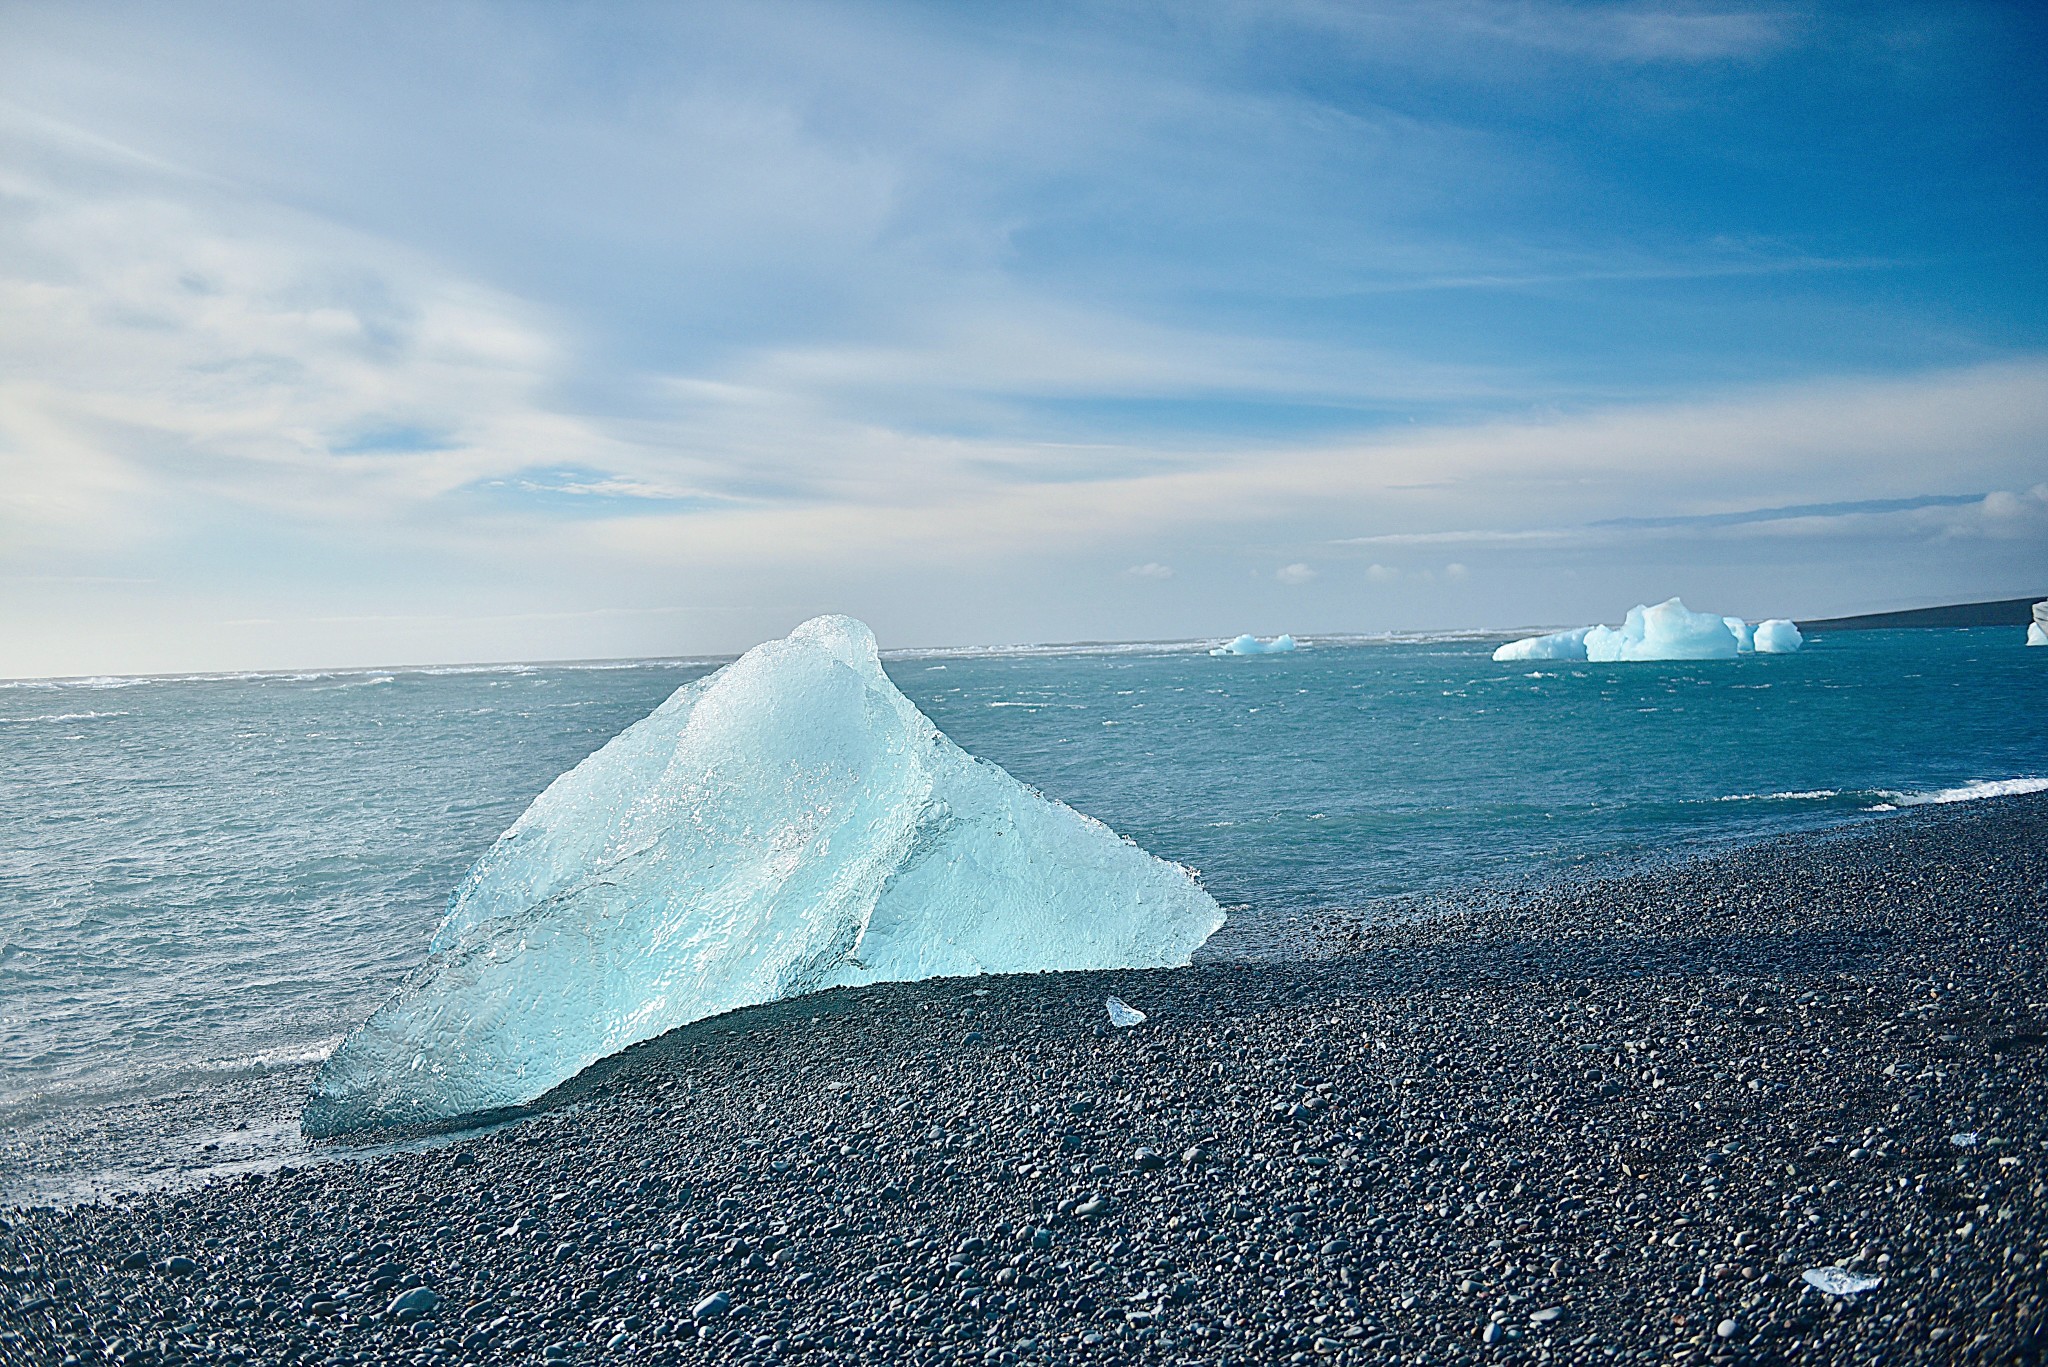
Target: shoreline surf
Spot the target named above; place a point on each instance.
(1647, 1104)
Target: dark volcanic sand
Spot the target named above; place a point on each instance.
(1614, 1123)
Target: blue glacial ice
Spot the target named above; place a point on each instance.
(1777, 637)
(1558, 645)
(1252, 645)
(787, 824)
(1663, 631)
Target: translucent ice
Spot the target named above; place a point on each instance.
(1667, 631)
(1122, 1014)
(1558, 645)
(1840, 1281)
(1252, 645)
(1777, 637)
(789, 823)
(1745, 640)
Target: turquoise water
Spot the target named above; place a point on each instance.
(206, 881)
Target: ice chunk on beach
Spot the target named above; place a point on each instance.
(1252, 645)
(1840, 1281)
(1667, 631)
(1558, 645)
(789, 823)
(1745, 639)
(1777, 637)
(1122, 1014)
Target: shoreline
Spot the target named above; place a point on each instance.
(1646, 1103)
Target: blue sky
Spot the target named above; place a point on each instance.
(382, 334)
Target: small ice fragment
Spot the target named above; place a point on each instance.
(1840, 1281)
(1966, 1140)
(1122, 1015)
(1252, 645)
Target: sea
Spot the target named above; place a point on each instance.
(206, 881)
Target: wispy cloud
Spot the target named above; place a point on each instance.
(1633, 33)
(303, 316)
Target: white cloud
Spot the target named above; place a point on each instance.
(303, 323)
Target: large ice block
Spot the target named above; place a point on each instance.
(1663, 631)
(789, 823)
(1558, 645)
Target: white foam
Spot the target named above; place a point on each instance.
(1813, 795)
(1971, 792)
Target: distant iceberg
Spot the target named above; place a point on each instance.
(1252, 645)
(2037, 630)
(1777, 637)
(789, 823)
(1664, 631)
(1558, 645)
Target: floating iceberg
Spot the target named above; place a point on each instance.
(789, 823)
(2037, 630)
(1252, 645)
(1667, 631)
(1558, 645)
(1777, 637)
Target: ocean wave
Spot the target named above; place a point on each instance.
(58, 716)
(1813, 795)
(1970, 792)
(40, 1103)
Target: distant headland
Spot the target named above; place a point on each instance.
(2004, 612)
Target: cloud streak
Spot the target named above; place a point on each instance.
(718, 315)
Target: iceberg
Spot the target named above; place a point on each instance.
(1777, 637)
(1558, 645)
(789, 823)
(1667, 631)
(1252, 645)
(2037, 635)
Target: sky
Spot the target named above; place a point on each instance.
(411, 333)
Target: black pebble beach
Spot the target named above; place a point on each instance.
(1612, 1122)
